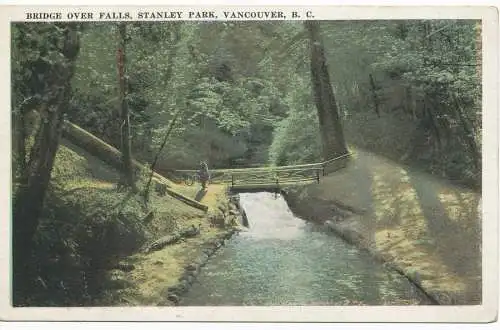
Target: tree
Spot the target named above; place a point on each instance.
(329, 120)
(128, 170)
(54, 48)
(155, 160)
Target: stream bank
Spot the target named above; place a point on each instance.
(421, 226)
(346, 226)
(164, 269)
(228, 215)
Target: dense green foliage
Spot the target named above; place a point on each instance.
(172, 69)
(244, 95)
(428, 86)
(296, 138)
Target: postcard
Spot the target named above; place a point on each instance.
(250, 163)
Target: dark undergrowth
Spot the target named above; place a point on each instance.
(86, 228)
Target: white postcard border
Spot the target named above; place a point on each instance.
(486, 312)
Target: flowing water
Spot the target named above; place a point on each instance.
(283, 260)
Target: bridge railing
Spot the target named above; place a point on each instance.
(272, 174)
(277, 177)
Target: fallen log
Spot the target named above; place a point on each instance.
(186, 200)
(112, 156)
(97, 147)
(172, 239)
(162, 242)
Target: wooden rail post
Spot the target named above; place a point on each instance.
(232, 180)
(317, 175)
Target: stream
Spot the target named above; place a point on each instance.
(284, 260)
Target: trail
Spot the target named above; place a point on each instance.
(423, 223)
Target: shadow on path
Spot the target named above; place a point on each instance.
(453, 223)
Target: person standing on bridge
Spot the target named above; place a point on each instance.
(204, 174)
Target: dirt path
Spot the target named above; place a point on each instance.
(425, 225)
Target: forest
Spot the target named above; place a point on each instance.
(236, 95)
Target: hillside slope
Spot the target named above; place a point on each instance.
(89, 228)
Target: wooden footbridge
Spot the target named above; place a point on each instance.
(272, 178)
(243, 179)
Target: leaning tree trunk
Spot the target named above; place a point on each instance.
(175, 37)
(128, 170)
(29, 199)
(329, 121)
(158, 153)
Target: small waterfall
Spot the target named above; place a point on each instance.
(283, 260)
(269, 216)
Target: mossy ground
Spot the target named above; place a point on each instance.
(84, 186)
(154, 272)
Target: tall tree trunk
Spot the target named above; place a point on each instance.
(126, 149)
(20, 144)
(21, 131)
(29, 199)
(329, 121)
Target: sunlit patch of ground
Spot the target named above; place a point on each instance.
(461, 207)
(92, 184)
(214, 193)
(188, 191)
(409, 241)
